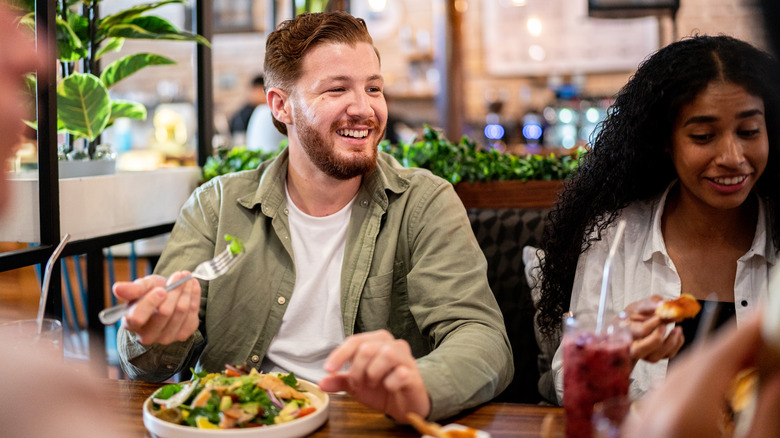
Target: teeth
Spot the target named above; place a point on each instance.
(356, 133)
(730, 181)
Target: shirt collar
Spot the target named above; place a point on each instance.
(386, 177)
(761, 245)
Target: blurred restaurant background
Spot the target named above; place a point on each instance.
(518, 76)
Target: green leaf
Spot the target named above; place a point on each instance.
(289, 380)
(167, 391)
(69, 45)
(80, 25)
(124, 67)
(130, 13)
(152, 28)
(127, 109)
(83, 105)
(25, 5)
(31, 82)
(112, 45)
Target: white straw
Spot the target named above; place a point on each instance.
(47, 279)
(621, 226)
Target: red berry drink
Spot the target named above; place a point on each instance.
(595, 368)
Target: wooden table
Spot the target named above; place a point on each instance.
(348, 418)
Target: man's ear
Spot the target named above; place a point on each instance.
(279, 101)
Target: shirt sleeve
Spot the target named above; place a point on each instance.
(191, 241)
(455, 309)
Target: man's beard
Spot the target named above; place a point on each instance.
(324, 156)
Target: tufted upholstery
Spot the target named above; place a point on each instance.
(501, 234)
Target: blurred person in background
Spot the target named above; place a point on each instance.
(256, 96)
(253, 125)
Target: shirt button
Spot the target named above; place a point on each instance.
(364, 203)
(255, 358)
(744, 303)
(286, 211)
(170, 366)
(280, 300)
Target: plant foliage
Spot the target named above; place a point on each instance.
(455, 162)
(466, 161)
(84, 106)
(236, 159)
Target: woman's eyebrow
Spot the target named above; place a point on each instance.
(710, 119)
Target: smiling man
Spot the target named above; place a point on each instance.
(359, 274)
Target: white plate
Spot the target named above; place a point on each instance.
(456, 426)
(293, 429)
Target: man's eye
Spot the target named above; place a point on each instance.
(701, 137)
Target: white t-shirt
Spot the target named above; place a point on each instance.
(642, 267)
(312, 324)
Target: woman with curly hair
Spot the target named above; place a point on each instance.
(688, 156)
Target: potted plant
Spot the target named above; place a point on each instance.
(84, 105)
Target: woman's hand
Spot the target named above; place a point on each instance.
(651, 341)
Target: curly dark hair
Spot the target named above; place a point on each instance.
(292, 39)
(628, 160)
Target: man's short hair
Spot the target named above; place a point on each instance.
(286, 46)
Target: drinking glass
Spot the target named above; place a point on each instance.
(596, 367)
(609, 415)
(23, 334)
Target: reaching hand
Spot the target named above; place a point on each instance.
(160, 316)
(651, 342)
(382, 374)
(691, 400)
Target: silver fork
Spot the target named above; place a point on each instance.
(208, 270)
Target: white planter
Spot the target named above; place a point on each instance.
(84, 168)
(101, 205)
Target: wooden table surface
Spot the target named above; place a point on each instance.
(348, 418)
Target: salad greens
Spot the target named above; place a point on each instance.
(234, 244)
(232, 399)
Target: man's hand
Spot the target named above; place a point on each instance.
(382, 374)
(160, 316)
(651, 342)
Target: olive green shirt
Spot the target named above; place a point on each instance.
(411, 266)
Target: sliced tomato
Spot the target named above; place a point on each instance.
(305, 411)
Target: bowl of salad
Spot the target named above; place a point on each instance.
(236, 403)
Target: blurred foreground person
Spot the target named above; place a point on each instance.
(41, 395)
(691, 401)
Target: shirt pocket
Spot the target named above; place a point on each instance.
(375, 305)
